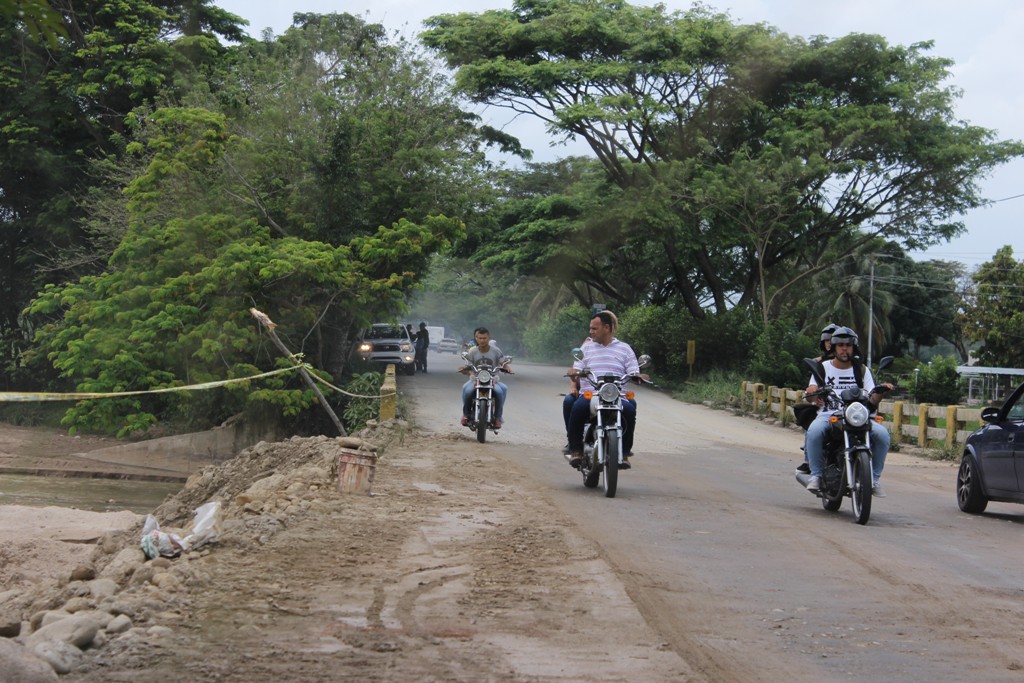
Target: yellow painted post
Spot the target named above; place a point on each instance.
(388, 391)
(743, 394)
(922, 424)
(758, 396)
(951, 425)
(783, 415)
(897, 422)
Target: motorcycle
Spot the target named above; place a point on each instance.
(847, 448)
(485, 377)
(602, 434)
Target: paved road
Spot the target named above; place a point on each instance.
(744, 573)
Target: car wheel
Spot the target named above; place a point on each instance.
(969, 495)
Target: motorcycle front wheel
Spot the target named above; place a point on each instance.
(611, 463)
(860, 487)
(481, 420)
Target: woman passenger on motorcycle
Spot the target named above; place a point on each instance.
(603, 354)
(825, 342)
(484, 351)
(839, 375)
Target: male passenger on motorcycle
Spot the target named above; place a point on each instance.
(484, 353)
(603, 354)
(840, 373)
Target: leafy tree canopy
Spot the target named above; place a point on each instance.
(993, 313)
(741, 156)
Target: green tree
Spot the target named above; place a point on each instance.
(993, 313)
(742, 156)
(67, 92)
(172, 308)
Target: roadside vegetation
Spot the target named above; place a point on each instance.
(163, 173)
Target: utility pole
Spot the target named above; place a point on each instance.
(871, 308)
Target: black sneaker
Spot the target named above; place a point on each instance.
(804, 468)
(624, 465)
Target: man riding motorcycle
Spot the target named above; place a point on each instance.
(842, 371)
(484, 351)
(604, 354)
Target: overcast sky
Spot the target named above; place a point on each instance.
(982, 37)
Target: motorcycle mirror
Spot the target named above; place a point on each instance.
(886, 362)
(577, 353)
(816, 370)
(643, 360)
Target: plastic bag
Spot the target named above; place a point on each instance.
(205, 529)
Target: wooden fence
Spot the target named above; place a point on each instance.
(907, 422)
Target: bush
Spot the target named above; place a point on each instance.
(939, 382)
(554, 338)
(722, 340)
(360, 410)
(778, 353)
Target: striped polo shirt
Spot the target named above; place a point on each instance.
(615, 359)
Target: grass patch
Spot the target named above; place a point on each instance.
(719, 389)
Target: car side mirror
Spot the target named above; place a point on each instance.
(990, 414)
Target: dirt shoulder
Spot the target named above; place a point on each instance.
(453, 569)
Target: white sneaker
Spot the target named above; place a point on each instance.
(877, 491)
(814, 484)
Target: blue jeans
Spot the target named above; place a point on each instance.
(814, 444)
(577, 413)
(500, 389)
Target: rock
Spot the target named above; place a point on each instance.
(10, 627)
(49, 617)
(83, 573)
(119, 624)
(102, 588)
(74, 630)
(123, 564)
(62, 657)
(77, 605)
(20, 665)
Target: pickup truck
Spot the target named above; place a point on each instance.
(388, 343)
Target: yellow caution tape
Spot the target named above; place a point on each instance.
(79, 396)
(14, 396)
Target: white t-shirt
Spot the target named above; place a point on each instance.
(839, 379)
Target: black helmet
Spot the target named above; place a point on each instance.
(826, 335)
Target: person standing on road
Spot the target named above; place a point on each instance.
(840, 373)
(422, 344)
(603, 354)
(485, 353)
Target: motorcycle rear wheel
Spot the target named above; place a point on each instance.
(481, 420)
(860, 487)
(832, 498)
(611, 463)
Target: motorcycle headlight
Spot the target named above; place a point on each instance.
(484, 376)
(857, 414)
(609, 393)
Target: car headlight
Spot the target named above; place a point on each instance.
(406, 347)
(609, 393)
(857, 414)
(365, 347)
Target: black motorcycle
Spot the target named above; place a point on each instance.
(847, 447)
(602, 435)
(485, 377)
